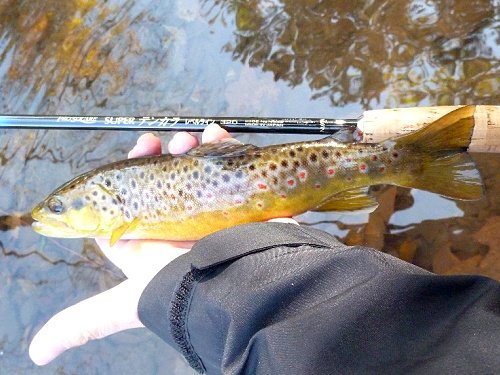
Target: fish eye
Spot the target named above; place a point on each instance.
(55, 206)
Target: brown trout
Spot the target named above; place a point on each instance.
(218, 185)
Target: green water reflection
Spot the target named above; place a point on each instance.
(253, 58)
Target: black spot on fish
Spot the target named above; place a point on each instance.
(296, 164)
(300, 149)
(123, 191)
(136, 205)
(158, 184)
(164, 169)
(230, 163)
(292, 153)
(238, 174)
(325, 154)
(172, 176)
(180, 193)
(167, 185)
(133, 184)
(195, 163)
(107, 182)
(251, 167)
(395, 154)
(264, 174)
(152, 177)
(185, 168)
(208, 169)
(142, 174)
(114, 201)
(196, 174)
(284, 163)
(176, 162)
(111, 212)
(94, 203)
(199, 194)
(338, 154)
(275, 180)
(225, 178)
(215, 183)
(188, 186)
(94, 193)
(313, 157)
(87, 198)
(118, 177)
(273, 166)
(104, 208)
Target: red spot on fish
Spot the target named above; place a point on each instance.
(238, 201)
(348, 160)
(172, 196)
(189, 208)
(226, 213)
(262, 186)
(374, 158)
(381, 169)
(209, 195)
(363, 168)
(395, 154)
(302, 175)
(259, 204)
(317, 185)
(330, 171)
(283, 196)
(291, 182)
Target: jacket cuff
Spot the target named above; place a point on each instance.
(164, 304)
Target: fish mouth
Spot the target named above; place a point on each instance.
(51, 227)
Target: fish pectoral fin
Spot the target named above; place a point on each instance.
(121, 230)
(355, 200)
(227, 147)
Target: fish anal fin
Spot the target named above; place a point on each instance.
(122, 229)
(355, 200)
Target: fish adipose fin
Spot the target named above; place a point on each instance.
(355, 201)
(446, 168)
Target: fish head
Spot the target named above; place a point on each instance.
(74, 210)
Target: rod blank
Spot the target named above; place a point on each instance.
(169, 123)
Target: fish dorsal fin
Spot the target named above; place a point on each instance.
(356, 200)
(228, 147)
(122, 229)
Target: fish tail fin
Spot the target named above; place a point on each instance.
(447, 169)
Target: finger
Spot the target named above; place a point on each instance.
(213, 133)
(286, 220)
(182, 142)
(109, 312)
(147, 144)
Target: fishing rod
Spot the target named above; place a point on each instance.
(372, 126)
(177, 123)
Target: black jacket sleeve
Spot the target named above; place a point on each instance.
(273, 298)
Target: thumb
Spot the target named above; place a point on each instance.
(112, 311)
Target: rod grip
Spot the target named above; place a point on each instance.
(380, 124)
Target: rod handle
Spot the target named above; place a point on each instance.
(380, 124)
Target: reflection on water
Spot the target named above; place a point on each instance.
(261, 58)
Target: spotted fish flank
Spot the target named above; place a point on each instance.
(186, 197)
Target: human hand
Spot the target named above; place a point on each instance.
(115, 310)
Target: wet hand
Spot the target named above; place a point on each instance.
(115, 310)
